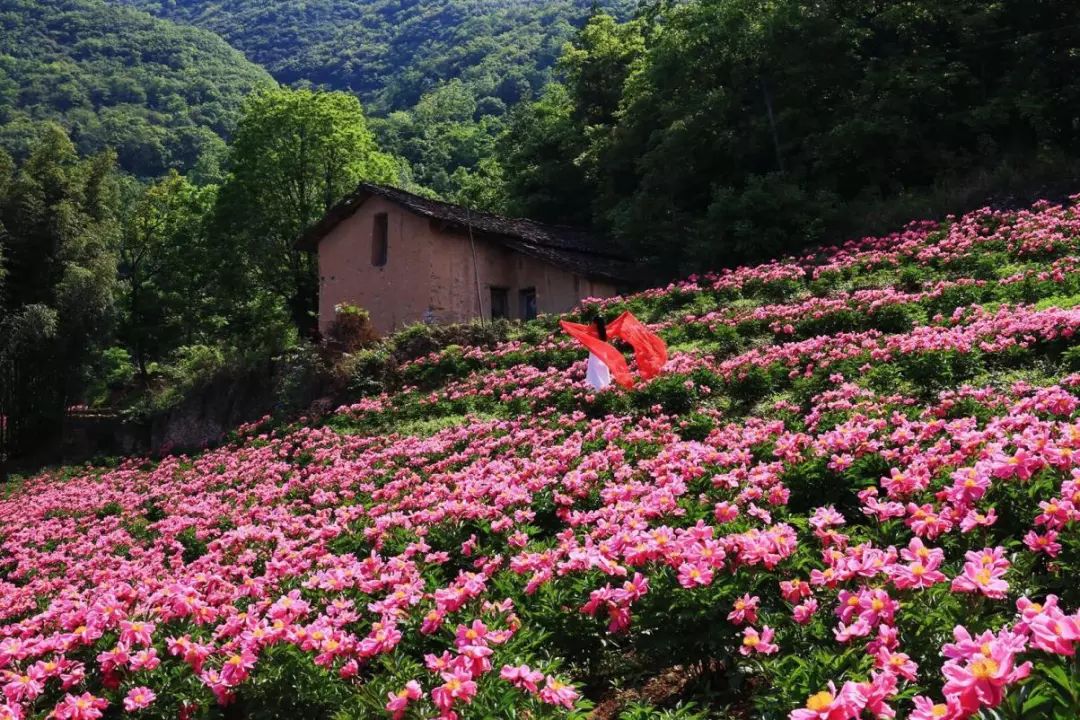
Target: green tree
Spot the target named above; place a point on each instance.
(60, 231)
(392, 52)
(445, 140)
(540, 155)
(715, 132)
(7, 169)
(156, 92)
(552, 149)
(166, 289)
(595, 66)
(295, 153)
(481, 188)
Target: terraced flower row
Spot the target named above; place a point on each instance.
(872, 522)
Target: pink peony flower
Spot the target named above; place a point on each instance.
(399, 701)
(458, 686)
(138, 698)
(753, 642)
(832, 705)
(79, 707)
(522, 676)
(556, 692)
(745, 610)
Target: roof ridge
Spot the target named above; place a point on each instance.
(571, 247)
(391, 189)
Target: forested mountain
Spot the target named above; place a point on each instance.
(160, 94)
(392, 51)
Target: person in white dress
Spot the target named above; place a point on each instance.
(597, 374)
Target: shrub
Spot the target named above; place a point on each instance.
(896, 318)
(419, 340)
(301, 375)
(192, 367)
(834, 322)
(1071, 359)
(676, 394)
(696, 427)
(725, 340)
(450, 365)
(599, 404)
(351, 328)
(749, 387)
(938, 370)
(414, 341)
(369, 371)
(825, 283)
(114, 371)
(774, 291)
(911, 278)
(954, 297)
(980, 266)
(194, 548)
(811, 482)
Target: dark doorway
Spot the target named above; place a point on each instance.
(527, 303)
(500, 303)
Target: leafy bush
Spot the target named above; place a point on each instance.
(1071, 359)
(301, 375)
(419, 340)
(114, 372)
(938, 370)
(351, 329)
(451, 364)
(369, 372)
(749, 386)
(896, 318)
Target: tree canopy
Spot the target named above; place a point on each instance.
(159, 94)
(716, 131)
(58, 231)
(294, 155)
(391, 52)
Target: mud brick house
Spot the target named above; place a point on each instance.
(406, 259)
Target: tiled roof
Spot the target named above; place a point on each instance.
(563, 246)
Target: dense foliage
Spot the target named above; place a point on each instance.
(120, 295)
(438, 75)
(295, 154)
(391, 52)
(161, 95)
(58, 233)
(853, 494)
(742, 127)
(717, 130)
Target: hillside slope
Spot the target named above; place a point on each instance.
(391, 51)
(157, 92)
(854, 490)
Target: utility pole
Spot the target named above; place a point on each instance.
(476, 269)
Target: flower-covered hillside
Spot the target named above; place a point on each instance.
(853, 494)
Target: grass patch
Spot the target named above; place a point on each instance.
(1058, 301)
(12, 486)
(419, 427)
(700, 347)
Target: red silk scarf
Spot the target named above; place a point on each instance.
(650, 352)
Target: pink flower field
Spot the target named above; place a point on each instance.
(855, 493)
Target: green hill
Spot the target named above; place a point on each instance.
(159, 93)
(392, 51)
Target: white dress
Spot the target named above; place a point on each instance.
(597, 374)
